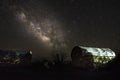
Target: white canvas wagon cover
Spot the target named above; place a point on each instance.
(99, 51)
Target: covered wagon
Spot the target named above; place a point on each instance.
(91, 57)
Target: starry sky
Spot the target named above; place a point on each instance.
(46, 26)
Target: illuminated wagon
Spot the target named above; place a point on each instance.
(15, 57)
(90, 57)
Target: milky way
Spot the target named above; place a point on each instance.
(48, 30)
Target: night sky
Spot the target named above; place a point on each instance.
(46, 26)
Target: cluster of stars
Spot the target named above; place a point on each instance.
(46, 30)
(32, 26)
